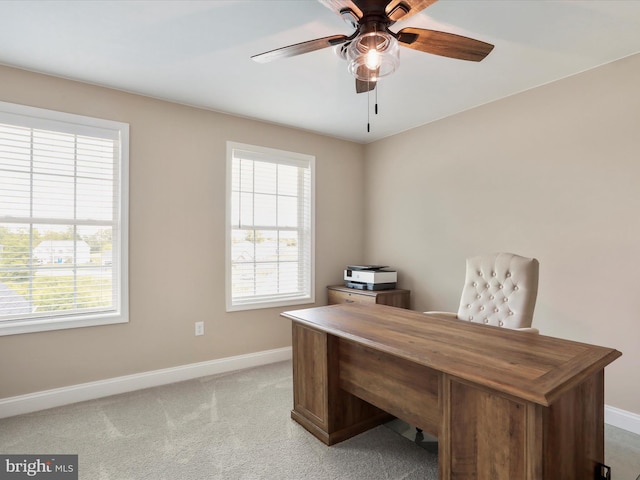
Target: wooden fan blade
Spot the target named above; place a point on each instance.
(444, 44)
(362, 86)
(300, 48)
(339, 5)
(395, 9)
(403, 9)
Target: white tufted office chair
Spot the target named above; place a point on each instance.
(499, 289)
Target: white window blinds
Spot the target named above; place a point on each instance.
(63, 246)
(270, 227)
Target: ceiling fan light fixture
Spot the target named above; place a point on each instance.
(373, 55)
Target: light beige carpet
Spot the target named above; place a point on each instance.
(224, 427)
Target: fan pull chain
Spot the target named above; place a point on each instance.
(374, 86)
(368, 114)
(376, 108)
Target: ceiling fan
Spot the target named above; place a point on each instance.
(372, 50)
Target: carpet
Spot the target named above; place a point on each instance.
(234, 426)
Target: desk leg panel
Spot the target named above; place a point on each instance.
(491, 436)
(574, 432)
(320, 405)
(310, 375)
(487, 435)
(444, 438)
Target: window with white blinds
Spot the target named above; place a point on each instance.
(63, 220)
(270, 235)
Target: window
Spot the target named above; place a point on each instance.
(269, 227)
(63, 220)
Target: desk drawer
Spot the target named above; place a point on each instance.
(335, 296)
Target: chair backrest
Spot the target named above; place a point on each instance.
(500, 289)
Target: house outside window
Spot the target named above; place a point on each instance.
(270, 227)
(63, 220)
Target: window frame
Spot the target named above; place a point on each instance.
(40, 118)
(307, 297)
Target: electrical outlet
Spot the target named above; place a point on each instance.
(199, 328)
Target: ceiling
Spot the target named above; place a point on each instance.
(197, 53)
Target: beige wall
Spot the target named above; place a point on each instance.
(552, 173)
(177, 234)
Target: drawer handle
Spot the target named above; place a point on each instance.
(349, 301)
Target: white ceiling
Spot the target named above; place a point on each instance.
(197, 53)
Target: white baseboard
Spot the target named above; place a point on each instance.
(56, 397)
(622, 419)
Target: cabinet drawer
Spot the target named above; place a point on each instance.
(335, 296)
(394, 298)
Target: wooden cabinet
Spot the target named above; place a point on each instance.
(393, 298)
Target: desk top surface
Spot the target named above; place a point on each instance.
(533, 367)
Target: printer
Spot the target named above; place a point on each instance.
(370, 277)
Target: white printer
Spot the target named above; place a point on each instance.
(370, 277)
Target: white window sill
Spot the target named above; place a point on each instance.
(16, 327)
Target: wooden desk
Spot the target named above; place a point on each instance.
(504, 405)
